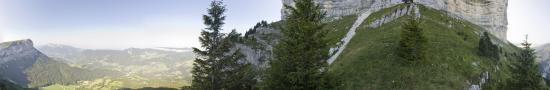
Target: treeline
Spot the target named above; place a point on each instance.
(254, 29)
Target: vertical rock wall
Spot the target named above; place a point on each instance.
(489, 14)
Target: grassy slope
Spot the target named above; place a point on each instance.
(337, 29)
(370, 62)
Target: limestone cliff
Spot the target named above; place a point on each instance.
(489, 14)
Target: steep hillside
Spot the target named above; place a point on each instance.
(21, 63)
(258, 42)
(370, 60)
(15, 58)
(489, 14)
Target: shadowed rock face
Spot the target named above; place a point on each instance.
(25, 66)
(16, 57)
(489, 14)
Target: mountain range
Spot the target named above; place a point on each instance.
(63, 65)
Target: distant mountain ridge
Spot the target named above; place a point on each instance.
(53, 64)
(23, 64)
(543, 54)
(139, 66)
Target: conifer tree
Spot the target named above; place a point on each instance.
(526, 70)
(411, 46)
(218, 67)
(487, 48)
(300, 56)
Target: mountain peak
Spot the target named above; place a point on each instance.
(20, 43)
(17, 56)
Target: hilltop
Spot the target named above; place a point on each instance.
(365, 41)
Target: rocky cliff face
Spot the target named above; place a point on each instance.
(15, 58)
(489, 14)
(258, 46)
(24, 65)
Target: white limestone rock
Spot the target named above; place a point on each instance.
(489, 14)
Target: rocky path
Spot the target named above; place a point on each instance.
(348, 37)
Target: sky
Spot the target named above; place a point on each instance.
(529, 17)
(120, 24)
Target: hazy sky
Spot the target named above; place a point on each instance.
(119, 24)
(530, 17)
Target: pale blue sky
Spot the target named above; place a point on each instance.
(530, 17)
(118, 24)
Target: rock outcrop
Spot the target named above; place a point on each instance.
(26, 66)
(258, 46)
(489, 14)
(15, 58)
(408, 10)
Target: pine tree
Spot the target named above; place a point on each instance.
(234, 36)
(487, 48)
(526, 70)
(237, 73)
(300, 56)
(218, 67)
(411, 46)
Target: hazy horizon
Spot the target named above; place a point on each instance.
(121, 24)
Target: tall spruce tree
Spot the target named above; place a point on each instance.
(487, 48)
(237, 73)
(300, 56)
(217, 66)
(411, 44)
(526, 70)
